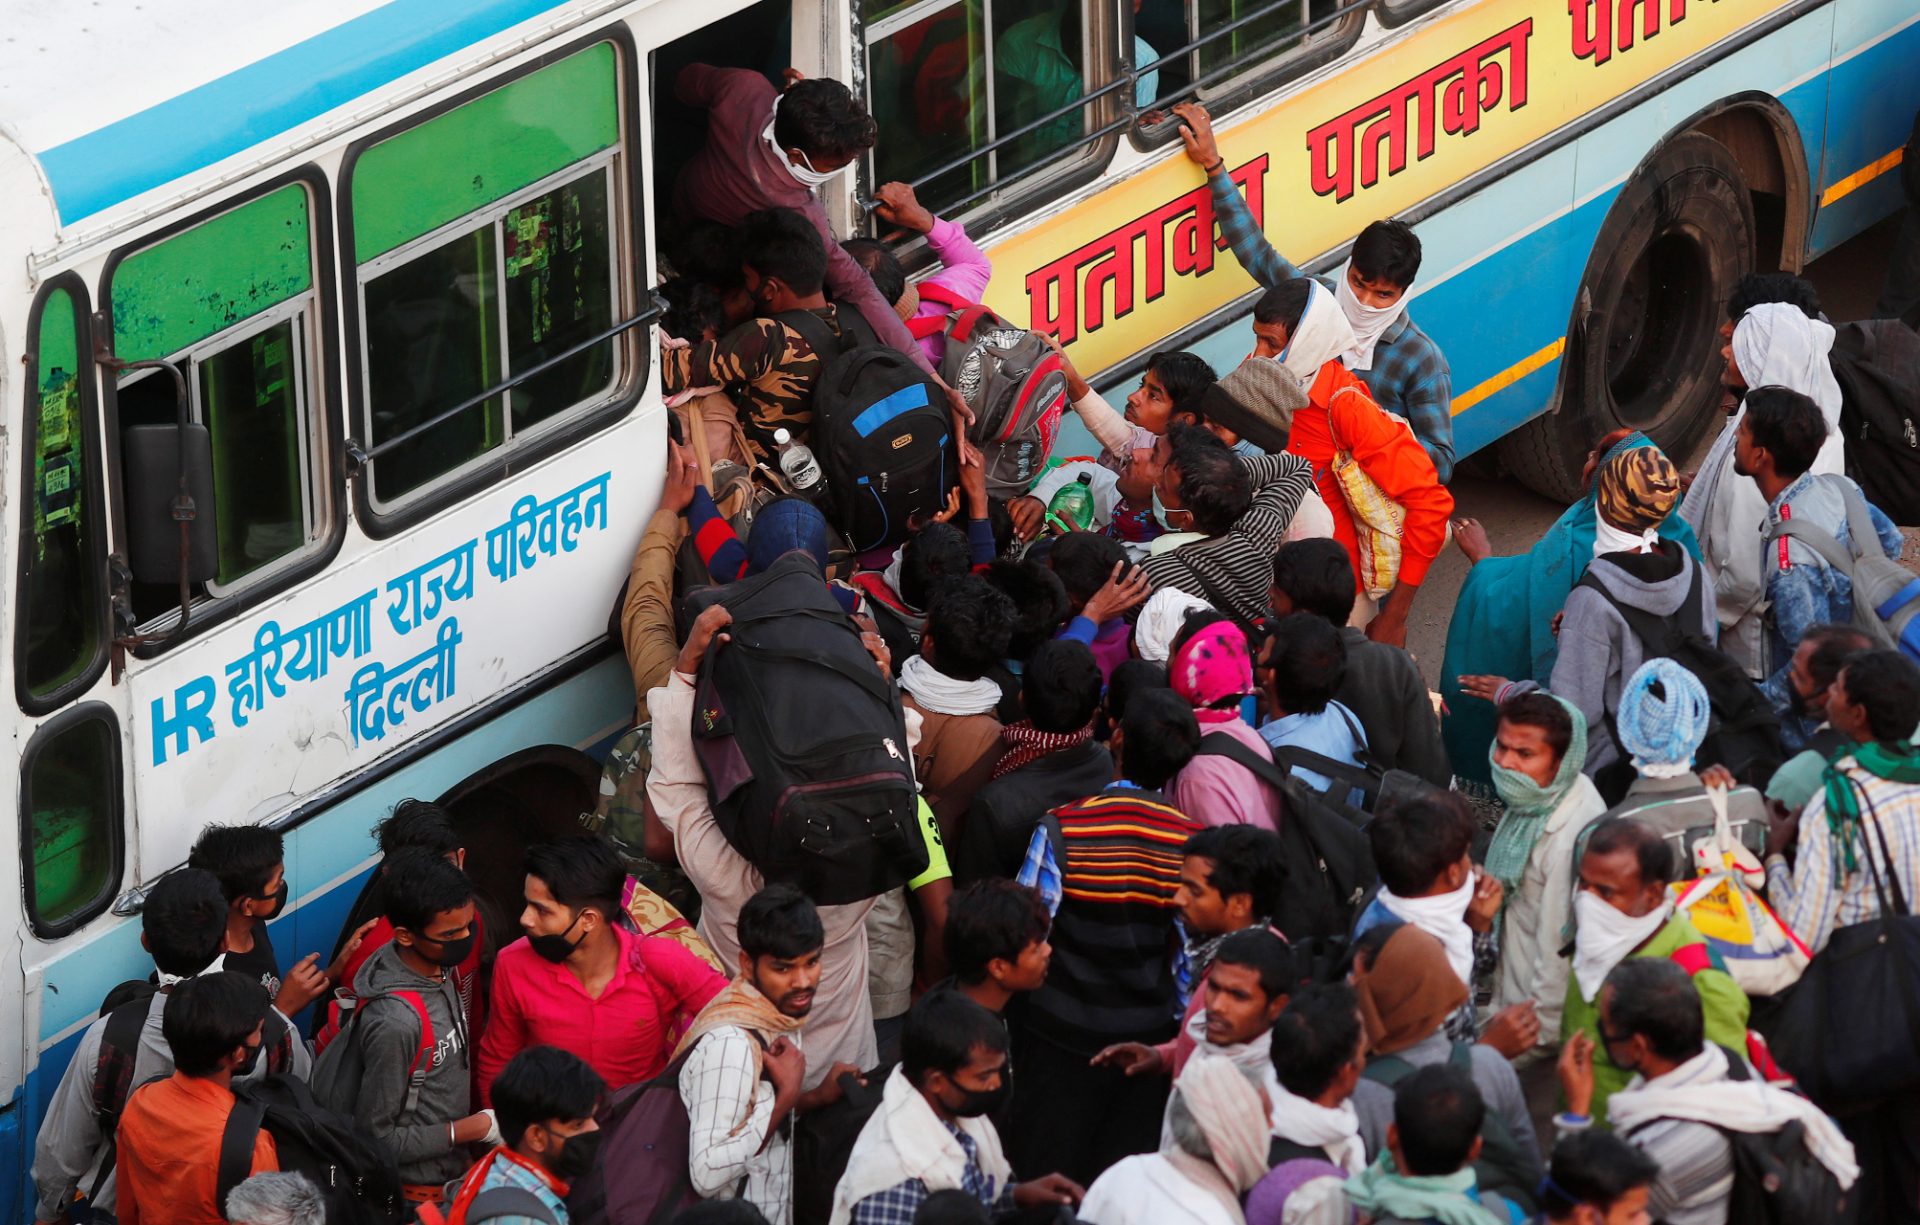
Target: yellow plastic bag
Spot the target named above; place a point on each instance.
(1379, 522)
(1760, 952)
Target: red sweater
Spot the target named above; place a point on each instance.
(624, 1035)
(1388, 452)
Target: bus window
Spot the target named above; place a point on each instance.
(233, 302)
(485, 238)
(60, 604)
(70, 804)
(1227, 65)
(947, 77)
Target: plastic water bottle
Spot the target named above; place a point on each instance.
(1071, 509)
(796, 460)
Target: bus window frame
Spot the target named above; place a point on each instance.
(46, 733)
(630, 294)
(1065, 169)
(1241, 87)
(1393, 14)
(75, 287)
(327, 476)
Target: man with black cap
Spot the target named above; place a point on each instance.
(1241, 507)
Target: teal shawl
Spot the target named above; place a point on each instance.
(1502, 621)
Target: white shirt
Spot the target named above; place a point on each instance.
(1147, 1190)
(715, 1085)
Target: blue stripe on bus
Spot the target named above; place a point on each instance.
(886, 410)
(253, 104)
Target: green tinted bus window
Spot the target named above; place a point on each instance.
(62, 580)
(250, 395)
(559, 294)
(71, 793)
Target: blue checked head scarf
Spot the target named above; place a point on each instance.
(1663, 718)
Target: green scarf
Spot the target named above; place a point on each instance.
(1529, 804)
(1897, 763)
(1380, 1190)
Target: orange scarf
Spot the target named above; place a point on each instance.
(477, 1177)
(743, 1005)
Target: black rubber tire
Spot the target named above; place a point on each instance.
(1643, 341)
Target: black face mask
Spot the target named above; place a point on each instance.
(453, 952)
(577, 1154)
(976, 1102)
(246, 1066)
(556, 948)
(278, 897)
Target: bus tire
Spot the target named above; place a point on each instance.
(1643, 340)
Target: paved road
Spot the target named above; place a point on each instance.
(1848, 279)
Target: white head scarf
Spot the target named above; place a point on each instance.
(1776, 345)
(1160, 619)
(1322, 335)
(1368, 322)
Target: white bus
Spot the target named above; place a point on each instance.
(390, 263)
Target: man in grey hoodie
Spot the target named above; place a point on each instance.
(1632, 563)
(430, 904)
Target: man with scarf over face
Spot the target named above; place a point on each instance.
(1622, 909)
(1868, 792)
(742, 1064)
(1539, 746)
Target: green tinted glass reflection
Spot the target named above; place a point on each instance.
(70, 802)
(251, 398)
(60, 620)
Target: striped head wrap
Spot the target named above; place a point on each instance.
(1663, 730)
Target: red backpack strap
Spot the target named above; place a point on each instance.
(423, 1056)
(966, 320)
(1692, 958)
(925, 326)
(931, 292)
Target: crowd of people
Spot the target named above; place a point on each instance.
(1213, 918)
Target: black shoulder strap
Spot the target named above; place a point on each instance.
(113, 1077)
(508, 1201)
(1280, 1149)
(1219, 744)
(236, 1146)
(1659, 636)
(814, 330)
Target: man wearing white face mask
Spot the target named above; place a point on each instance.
(1403, 369)
(1622, 909)
(767, 149)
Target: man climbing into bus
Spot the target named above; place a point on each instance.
(1403, 369)
(767, 149)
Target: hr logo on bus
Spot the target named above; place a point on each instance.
(192, 712)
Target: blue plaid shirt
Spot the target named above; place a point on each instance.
(1410, 375)
(506, 1173)
(897, 1204)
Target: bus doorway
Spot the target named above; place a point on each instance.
(759, 37)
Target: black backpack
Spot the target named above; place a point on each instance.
(1877, 364)
(356, 1173)
(880, 433)
(1504, 1164)
(803, 742)
(1329, 861)
(823, 1141)
(1743, 734)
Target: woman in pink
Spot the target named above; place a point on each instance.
(1211, 668)
(582, 980)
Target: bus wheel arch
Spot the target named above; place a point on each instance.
(1764, 138)
(1642, 340)
(501, 809)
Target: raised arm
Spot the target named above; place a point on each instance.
(1237, 224)
(1279, 483)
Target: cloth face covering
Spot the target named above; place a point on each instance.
(1662, 734)
(1335, 1128)
(1605, 935)
(803, 174)
(1322, 334)
(1529, 805)
(1444, 917)
(1367, 322)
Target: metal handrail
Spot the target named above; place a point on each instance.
(359, 457)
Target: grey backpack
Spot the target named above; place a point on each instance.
(1886, 595)
(1011, 379)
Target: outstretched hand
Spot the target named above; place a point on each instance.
(706, 629)
(1196, 133)
(1124, 588)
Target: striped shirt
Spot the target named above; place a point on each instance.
(1695, 1160)
(1237, 565)
(1812, 897)
(1119, 864)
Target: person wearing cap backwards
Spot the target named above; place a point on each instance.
(1640, 569)
(1241, 507)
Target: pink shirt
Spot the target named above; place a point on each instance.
(623, 1035)
(966, 273)
(1216, 790)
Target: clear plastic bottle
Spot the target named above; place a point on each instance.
(796, 460)
(1071, 509)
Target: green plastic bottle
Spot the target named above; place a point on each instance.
(1072, 507)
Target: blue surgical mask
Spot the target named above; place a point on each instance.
(1160, 513)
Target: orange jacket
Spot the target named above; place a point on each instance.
(1338, 405)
